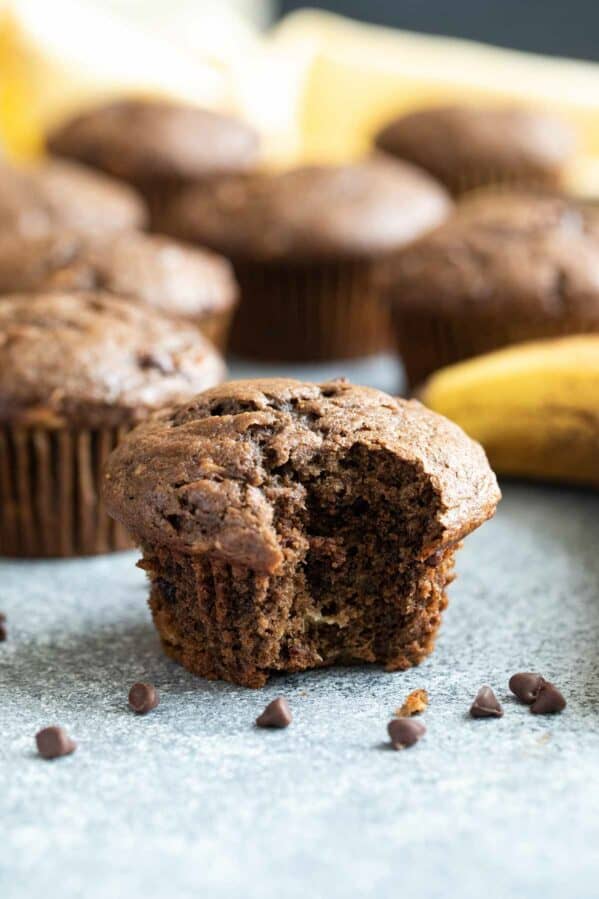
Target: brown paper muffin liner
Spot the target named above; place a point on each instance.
(224, 621)
(427, 341)
(50, 503)
(459, 183)
(306, 312)
(216, 326)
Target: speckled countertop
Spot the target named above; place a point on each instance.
(192, 800)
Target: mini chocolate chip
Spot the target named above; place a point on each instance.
(143, 698)
(276, 714)
(549, 700)
(404, 732)
(3, 630)
(53, 742)
(485, 704)
(526, 685)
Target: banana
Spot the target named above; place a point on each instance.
(534, 407)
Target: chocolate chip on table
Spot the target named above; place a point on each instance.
(54, 742)
(404, 732)
(276, 714)
(549, 700)
(526, 685)
(143, 698)
(486, 704)
(3, 630)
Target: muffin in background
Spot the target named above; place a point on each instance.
(467, 147)
(308, 246)
(183, 282)
(157, 146)
(287, 526)
(35, 200)
(77, 371)
(506, 268)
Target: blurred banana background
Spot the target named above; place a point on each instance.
(317, 86)
(291, 80)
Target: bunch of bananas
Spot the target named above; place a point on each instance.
(534, 407)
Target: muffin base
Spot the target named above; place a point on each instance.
(308, 312)
(50, 503)
(354, 584)
(427, 342)
(459, 183)
(225, 622)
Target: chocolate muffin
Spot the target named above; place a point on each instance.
(308, 246)
(157, 145)
(505, 269)
(469, 146)
(37, 199)
(76, 372)
(181, 281)
(287, 526)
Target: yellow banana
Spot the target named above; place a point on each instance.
(534, 407)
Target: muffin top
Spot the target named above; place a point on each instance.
(206, 476)
(92, 360)
(140, 139)
(361, 209)
(175, 279)
(53, 194)
(449, 139)
(534, 258)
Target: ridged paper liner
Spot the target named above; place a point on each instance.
(50, 503)
(299, 312)
(216, 327)
(225, 621)
(467, 180)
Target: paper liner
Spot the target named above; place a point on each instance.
(50, 503)
(299, 312)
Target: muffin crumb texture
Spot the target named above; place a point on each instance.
(287, 526)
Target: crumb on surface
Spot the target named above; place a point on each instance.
(414, 704)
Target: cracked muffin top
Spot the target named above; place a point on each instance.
(502, 139)
(360, 209)
(178, 280)
(531, 256)
(140, 139)
(94, 360)
(56, 194)
(210, 476)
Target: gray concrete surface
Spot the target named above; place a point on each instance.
(193, 801)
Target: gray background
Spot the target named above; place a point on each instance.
(558, 27)
(192, 800)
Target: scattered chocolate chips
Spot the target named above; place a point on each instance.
(526, 685)
(54, 742)
(404, 732)
(3, 630)
(486, 704)
(276, 714)
(549, 700)
(143, 698)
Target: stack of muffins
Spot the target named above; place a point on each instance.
(283, 525)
